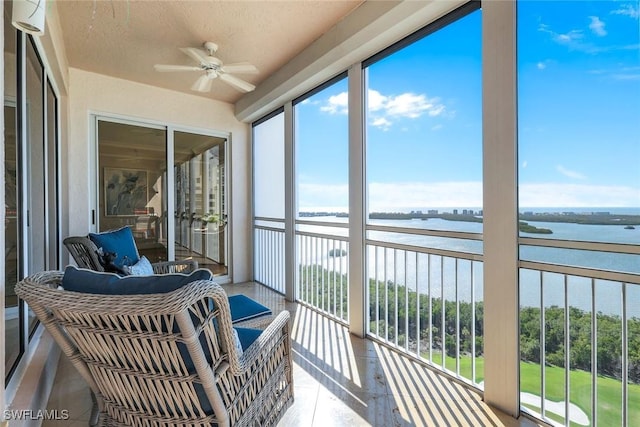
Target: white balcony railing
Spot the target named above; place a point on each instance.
(580, 323)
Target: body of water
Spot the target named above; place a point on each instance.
(440, 275)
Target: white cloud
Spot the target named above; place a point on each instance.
(384, 110)
(569, 173)
(541, 65)
(567, 38)
(627, 10)
(337, 104)
(412, 106)
(402, 196)
(597, 26)
(524, 164)
(375, 100)
(577, 195)
(381, 123)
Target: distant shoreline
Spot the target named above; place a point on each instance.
(591, 218)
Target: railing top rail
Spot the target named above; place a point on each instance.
(423, 250)
(268, 219)
(621, 248)
(322, 223)
(267, 228)
(322, 235)
(594, 273)
(426, 232)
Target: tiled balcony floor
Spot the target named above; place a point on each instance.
(339, 380)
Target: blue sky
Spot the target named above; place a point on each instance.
(579, 116)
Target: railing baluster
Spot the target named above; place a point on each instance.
(567, 354)
(473, 322)
(417, 276)
(429, 257)
(443, 319)
(386, 299)
(457, 301)
(377, 283)
(594, 356)
(406, 303)
(395, 284)
(543, 339)
(625, 359)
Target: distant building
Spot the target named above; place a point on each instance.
(432, 212)
(455, 211)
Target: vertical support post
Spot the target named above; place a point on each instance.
(500, 205)
(357, 195)
(2, 231)
(291, 263)
(171, 207)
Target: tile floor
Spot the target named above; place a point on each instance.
(339, 380)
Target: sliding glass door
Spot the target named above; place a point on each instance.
(32, 238)
(200, 214)
(131, 174)
(134, 185)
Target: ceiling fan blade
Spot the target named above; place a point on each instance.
(196, 54)
(203, 84)
(237, 83)
(164, 67)
(240, 68)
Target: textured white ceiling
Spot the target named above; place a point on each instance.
(125, 38)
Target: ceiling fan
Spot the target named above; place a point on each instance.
(213, 68)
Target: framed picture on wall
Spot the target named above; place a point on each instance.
(125, 192)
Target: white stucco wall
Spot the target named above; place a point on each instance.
(91, 93)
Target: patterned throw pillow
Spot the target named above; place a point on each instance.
(142, 268)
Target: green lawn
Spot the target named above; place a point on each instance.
(609, 390)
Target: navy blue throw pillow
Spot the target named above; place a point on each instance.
(120, 242)
(94, 282)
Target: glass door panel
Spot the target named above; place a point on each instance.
(12, 331)
(200, 214)
(132, 172)
(36, 166)
(53, 230)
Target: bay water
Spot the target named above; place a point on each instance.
(430, 273)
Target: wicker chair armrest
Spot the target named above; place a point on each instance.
(263, 345)
(261, 322)
(46, 279)
(182, 266)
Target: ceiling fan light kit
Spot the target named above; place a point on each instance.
(28, 16)
(213, 68)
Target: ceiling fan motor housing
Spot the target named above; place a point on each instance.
(211, 47)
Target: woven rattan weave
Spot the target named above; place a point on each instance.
(167, 359)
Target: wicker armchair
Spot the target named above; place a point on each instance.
(85, 254)
(167, 359)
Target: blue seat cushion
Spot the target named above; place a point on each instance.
(95, 282)
(120, 242)
(244, 308)
(247, 336)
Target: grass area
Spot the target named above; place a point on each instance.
(609, 390)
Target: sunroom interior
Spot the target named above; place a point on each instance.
(378, 180)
